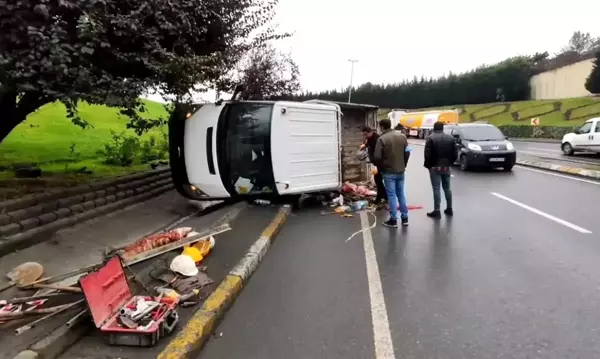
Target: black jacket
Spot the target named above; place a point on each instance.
(371, 142)
(440, 150)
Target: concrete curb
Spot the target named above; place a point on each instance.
(573, 171)
(196, 332)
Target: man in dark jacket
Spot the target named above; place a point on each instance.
(391, 156)
(440, 154)
(371, 138)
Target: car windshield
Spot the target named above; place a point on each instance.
(244, 148)
(482, 133)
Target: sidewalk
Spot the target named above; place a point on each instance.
(247, 223)
(83, 245)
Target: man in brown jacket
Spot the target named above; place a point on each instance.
(391, 157)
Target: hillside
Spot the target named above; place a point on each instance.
(556, 113)
(47, 134)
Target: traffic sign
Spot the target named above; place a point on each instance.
(535, 121)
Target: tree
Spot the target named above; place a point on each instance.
(592, 83)
(111, 51)
(581, 42)
(266, 73)
(505, 81)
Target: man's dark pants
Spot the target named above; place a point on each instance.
(440, 178)
(381, 194)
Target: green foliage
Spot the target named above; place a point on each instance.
(267, 73)
(592, 84)
(551, 132)
(505, 81)
(155, 148)
(112, 51)
(121, 151)
(73, 155)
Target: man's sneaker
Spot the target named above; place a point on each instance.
(434, 214)
(449, 212)
(404, 222)
(391, 223)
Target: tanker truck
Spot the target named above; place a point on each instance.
(419, 124)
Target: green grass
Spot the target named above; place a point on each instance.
(46, 136)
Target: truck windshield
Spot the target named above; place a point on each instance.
(244, 148)
(482, 133)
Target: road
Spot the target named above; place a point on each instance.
(550, 152)
(515, 274)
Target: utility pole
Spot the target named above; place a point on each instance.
(352, 61)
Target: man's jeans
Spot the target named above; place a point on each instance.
(440, 178)
(394, 186)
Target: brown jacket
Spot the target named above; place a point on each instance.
(390, 152)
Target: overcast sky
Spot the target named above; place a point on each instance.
(394, 40)
(398, 39)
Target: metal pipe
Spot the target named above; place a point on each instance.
(31, 325)
(352, 61)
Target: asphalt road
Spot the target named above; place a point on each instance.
(515, 274)
(551, 152)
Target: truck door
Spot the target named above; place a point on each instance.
(305, 147)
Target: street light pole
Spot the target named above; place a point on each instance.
(352, 61)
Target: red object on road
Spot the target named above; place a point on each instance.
(106, 292)
(154, 241)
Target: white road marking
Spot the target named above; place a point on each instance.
(558, 175)
(384, 348)
(543, 214)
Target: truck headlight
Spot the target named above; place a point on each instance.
(510, 146)
(473, 147)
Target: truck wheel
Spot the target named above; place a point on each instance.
(464, 163)
(507, 168)
(567, 149)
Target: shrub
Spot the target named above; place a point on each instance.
(154, 148)
(551, 132)
(122, 150)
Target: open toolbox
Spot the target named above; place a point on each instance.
(122, 318)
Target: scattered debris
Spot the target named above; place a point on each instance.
(123, 318)
(25, 328)
(24, 274)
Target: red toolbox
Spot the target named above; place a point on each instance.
(108, 296)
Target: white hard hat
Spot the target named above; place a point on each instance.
(184, 265)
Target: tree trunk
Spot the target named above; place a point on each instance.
(7, 125)
(13, 113)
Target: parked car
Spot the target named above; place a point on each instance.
(587, 138)
(482, 145)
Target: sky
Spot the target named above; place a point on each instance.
(395, 40)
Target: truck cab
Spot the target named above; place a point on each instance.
(260, 149)
(586, 138)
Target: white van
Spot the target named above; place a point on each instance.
(260, 149)
(587, 138)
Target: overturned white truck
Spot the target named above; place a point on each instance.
(258, 149)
